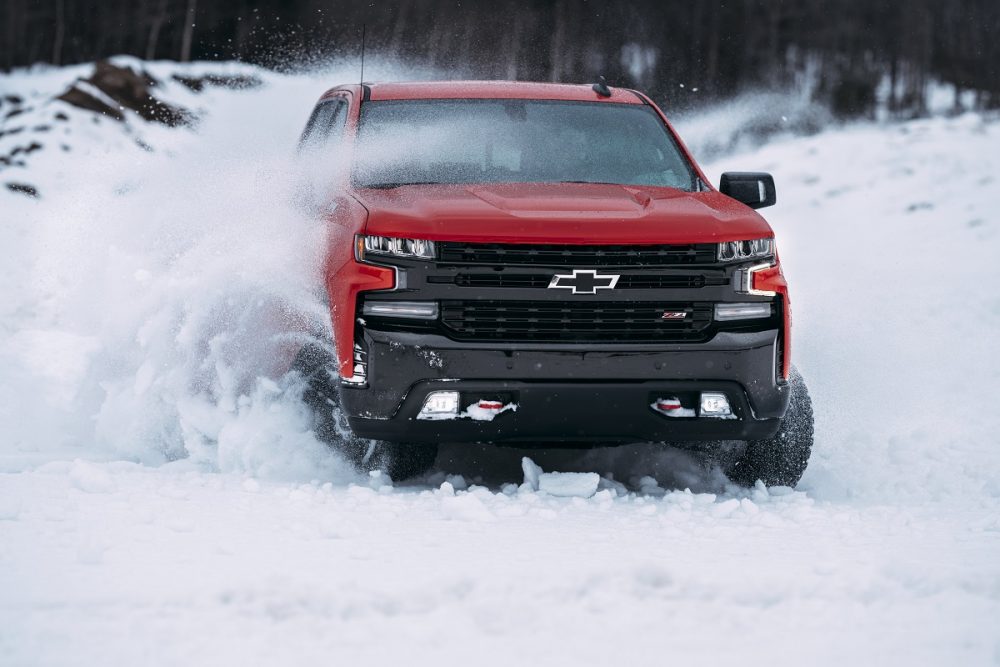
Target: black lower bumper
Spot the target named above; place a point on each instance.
(566, 394)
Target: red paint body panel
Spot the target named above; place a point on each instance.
(345, 277)
(571, 213)
(773, 280)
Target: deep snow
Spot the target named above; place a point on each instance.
(162, 502)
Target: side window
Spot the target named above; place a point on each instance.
(325, 124)
(335, 128)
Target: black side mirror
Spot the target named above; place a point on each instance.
(753, 188)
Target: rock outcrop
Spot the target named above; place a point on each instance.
(112, 89)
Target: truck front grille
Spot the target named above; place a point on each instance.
(450, 252)
(499, 293)
(500, 279)
(578, 322)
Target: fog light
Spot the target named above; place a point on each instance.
(439, 405)
(725, 312)
(419, 310)
(714, 404)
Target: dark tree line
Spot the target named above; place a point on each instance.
(843, 48)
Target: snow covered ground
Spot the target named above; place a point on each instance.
(162, 503)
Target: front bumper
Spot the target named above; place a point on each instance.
(565, 393)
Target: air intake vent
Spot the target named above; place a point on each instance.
(577, 322)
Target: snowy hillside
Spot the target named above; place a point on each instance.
(162, 500)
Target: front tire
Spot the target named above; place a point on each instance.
(782, 459)
(398, 460)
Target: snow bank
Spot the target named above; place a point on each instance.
(211, 568)
(559, 484)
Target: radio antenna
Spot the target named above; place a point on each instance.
(363, 26)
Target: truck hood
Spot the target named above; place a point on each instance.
(558, 213)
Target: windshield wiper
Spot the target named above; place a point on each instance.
(588, 182)
(391, 185)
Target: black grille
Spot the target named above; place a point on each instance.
(498, 280)
(579, 322)
(541, 280)
(574, 255)
(652, 281)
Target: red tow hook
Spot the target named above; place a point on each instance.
(668, 404)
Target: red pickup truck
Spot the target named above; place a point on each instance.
(541, 265)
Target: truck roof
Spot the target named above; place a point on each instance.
(516, 90)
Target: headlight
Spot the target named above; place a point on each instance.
(738, 251)
(384, 245)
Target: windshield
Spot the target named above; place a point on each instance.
(515, 141)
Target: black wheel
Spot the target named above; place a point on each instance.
(399, 460)
(781, 460)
